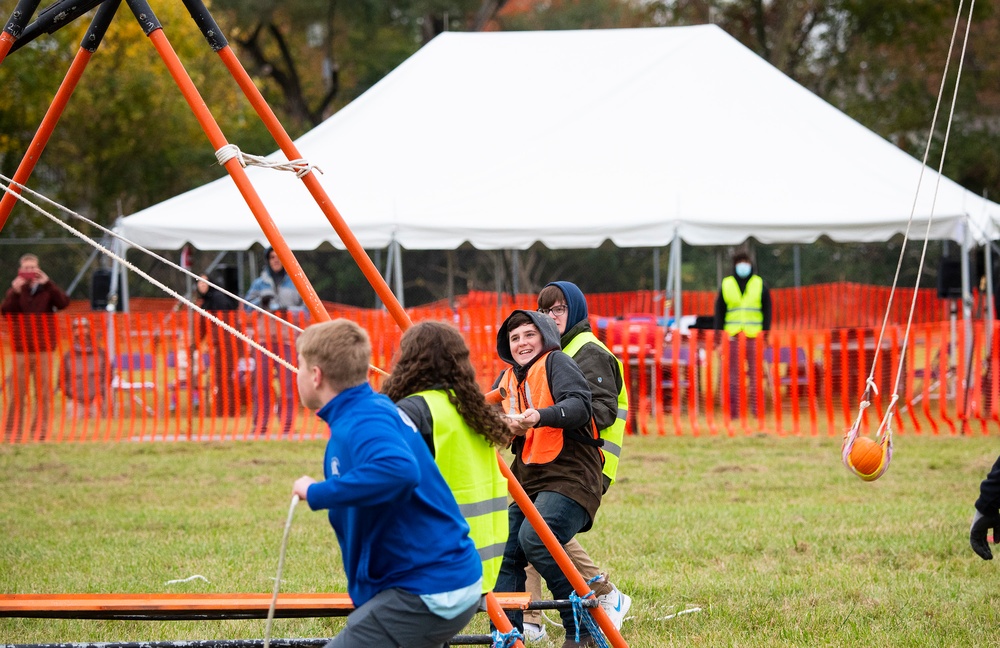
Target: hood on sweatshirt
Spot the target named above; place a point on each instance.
(550, 338)
(575, 301)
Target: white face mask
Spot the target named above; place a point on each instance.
(743, 270)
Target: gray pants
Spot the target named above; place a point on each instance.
(398, 619)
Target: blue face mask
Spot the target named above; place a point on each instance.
(743, 270)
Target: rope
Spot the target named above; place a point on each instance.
(277, 578)
(506, 639)
(300, 167)
(170, 291)
(885, 429)
(581, 615)
(215, 320)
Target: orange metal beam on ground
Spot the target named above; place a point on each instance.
(233, 167)
(203, 605)
(557, 551)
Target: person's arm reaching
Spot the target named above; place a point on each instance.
(384, 470)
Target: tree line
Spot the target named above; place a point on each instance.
(128, 140)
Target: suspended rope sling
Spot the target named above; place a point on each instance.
(867, 458)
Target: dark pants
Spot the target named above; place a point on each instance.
(396, 618)
(565, 518)
(737, 396)
(286, 391)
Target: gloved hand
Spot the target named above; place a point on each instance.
(977, 534)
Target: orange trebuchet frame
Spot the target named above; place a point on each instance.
(218, 140)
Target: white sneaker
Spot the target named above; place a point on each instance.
(533, 632)
(616, 605)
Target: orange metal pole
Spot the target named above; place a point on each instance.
(6, 42)
(14, 25)
(316, 189)
(213, 34)
(92, 39)
(499, 617)
(208, 124)
(565, 564)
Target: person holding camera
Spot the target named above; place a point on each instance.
(274, 291)
(28, 307)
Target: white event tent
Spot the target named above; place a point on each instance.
(572, 138)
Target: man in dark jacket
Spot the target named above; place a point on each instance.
(28, 306)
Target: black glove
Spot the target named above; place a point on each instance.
(977, 534)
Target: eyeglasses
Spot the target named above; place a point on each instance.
(558, 310)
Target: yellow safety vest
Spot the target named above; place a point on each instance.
(469, 465)
(613, 436)
(744, 310)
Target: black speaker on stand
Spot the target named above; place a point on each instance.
(100, 286)
(949, 279)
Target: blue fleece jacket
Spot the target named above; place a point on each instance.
(395, 517)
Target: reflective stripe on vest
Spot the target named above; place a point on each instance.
(613, 436)
(469, 465)
(744, 310)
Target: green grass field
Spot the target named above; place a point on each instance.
(772, 538)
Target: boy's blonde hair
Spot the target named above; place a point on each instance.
(340, 348)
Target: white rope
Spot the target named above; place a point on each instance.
(300, 167)
(277, 578)
(215, 320)
(870, 387)
(144, 275)
(187, 580)
(135, 245)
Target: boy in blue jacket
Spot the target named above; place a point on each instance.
(413, 573)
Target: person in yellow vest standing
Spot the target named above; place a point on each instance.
(743, 306)
(434, 386)
(566, 304)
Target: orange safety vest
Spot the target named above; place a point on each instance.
(541, 444)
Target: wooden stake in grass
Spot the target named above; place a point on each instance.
(277, 578)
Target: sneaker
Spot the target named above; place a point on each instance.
(616, 605)
(534, 632)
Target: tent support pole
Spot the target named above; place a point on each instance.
(675, 259)
(397, 276)
(657, 295)
(83, 270)
(797, 265)
(515, 270)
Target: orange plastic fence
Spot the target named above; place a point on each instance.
(173, 375)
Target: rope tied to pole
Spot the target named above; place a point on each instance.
(581, 615)
(300, 167)
(506, 639)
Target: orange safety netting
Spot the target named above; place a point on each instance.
(164, 373)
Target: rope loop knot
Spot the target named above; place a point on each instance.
(299, 167)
